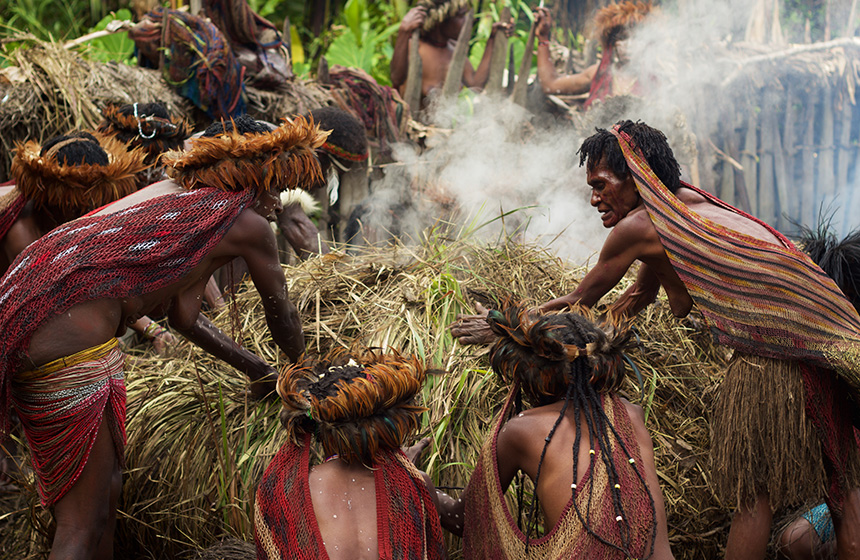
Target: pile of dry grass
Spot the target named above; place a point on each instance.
(198, 444)
(48, 90)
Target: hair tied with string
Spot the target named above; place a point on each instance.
(573, 352)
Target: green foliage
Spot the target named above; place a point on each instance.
(362, 39)
(48, 19)
(116, 47)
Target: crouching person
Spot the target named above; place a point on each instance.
(366, 500)
(586, 450)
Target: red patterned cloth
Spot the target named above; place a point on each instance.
(490, 532)
(133, 251)
(61, 406)
(285, 525)
(603, 81)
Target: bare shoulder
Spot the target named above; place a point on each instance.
(634, 229)
(518, 429)
(637, 418)
(689, 196)
(251, 227)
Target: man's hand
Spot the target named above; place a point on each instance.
(473, 329)
(163, 341)
(264, 386)
(543, 24)
(413, 19)
(505, 27)
(414, 452)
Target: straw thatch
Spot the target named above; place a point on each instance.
(48, 90)
(198, 443)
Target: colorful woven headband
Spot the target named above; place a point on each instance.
(339, 152)
(278, 160)
(76, 188)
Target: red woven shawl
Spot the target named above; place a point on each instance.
(285, 524)
(131, 252)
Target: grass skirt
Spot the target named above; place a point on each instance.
(762, 440)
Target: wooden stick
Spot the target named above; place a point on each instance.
(412, 90)
(498, 58)
(521, 86)
(767, 203)
(807, 193)
(781, 175)
(454, 77)
(742, 199)
(748, 160)
(826, 148)
(843, 156)
(511, 66)
(116, 26)
(849, 26)
(790, 149)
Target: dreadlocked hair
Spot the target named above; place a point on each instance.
(614, 21)
(242, 154)
(567, 356)
(348, 138)
(839, 259)
(354, 405)
(602, 147)
(145, 125)
(76, 172)
(440, 10)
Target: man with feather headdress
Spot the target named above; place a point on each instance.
(68, 296)
(603, 79)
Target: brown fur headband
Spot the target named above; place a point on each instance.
(278, 160)
(76, 188)
(622, 15)
(363, 413)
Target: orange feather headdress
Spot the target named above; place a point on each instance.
(278, 160)
(76, 189)
(612, 18)
(354, 409)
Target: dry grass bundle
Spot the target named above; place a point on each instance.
(198, 443)
(48, 90)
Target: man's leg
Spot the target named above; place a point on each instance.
(847, 527)
(87, 513)
(750, 531)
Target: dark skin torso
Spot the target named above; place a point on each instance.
(344, 501)
(519, 447)
(94, 322)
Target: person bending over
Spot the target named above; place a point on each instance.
(69, 294)
(366, 500)
(585, 449)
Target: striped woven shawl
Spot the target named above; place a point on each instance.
(757, 297)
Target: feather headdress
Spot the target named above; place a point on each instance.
(440, 10)
(615, 17)
(278, 160)
(354, 409)
(76, 189)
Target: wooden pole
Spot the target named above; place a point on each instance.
(843, 156)
(412, 89)
(742, 199)
(498, 59)
(849, 25)
(521, 86)
(826, 171)
(454, 77)
(789, 146)
(748, 160)
(780, 170)
(767, 203)
(287, 38)
(511, 73)
(807, 192)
